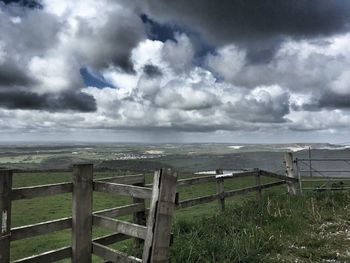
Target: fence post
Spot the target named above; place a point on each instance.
(157, 243)
(220, 190)
(299, 176)
(82, 213)
(258, 183)
(288, 159)
(5, 210)
(139, 218)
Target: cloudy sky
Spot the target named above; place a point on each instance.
(177, 71)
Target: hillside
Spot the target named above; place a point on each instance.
(313, 228)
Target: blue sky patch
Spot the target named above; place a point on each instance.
(94, 79)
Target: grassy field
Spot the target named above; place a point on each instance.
(312, 228)
(195, 238)
(48, 208)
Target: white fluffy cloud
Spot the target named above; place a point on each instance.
(159, 86)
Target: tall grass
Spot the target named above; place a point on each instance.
(278, 228)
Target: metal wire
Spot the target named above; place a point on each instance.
(327, 179)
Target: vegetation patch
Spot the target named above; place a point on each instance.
(280, 228)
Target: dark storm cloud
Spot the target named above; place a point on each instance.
(330, 100)
(68, 101)
(333, 100)
(26, 3)
(152, 71)
(36, 49)
(112, 44)
(11, 75)
(250, 19)
(255, 24)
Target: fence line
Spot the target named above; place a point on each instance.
(222, 194)
(322, 172)
(153, 234)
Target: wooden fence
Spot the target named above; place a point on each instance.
(153, 234)
(221, 194)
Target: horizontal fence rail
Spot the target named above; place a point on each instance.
(62, 188)
(210, 198)
(111, 239)
(122, 189)
(126, 179)
(220, 177)
(212, 178)
(40, 191)
(47, 257)
(112, 255)
(43, 228)
(278, 176)
(119, 226)
(121, 210)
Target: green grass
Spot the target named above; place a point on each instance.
(312, 228)
(199, 231)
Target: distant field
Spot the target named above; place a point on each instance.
(183, 157)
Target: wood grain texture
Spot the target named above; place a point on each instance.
(291, 186)
(164, 214)
(82, 213)
(146, 255)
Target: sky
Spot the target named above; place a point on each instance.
(248, 71)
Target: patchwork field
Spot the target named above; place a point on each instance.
(145, 158)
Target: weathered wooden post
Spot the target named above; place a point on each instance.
(291, 186)
(139, 218)
(258, 183)
(82, 213)
(220, 190)
(5, 210)
(157, 243)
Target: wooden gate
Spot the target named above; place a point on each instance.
(153, 233)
